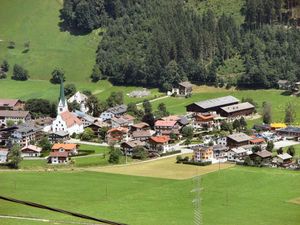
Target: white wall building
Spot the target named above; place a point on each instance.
(81, 100)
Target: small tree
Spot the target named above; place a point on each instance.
(256, 149)
(114, 155)
(236, 125)
(70, 89)
(243, 123)
(279, 151)
(290, 113)
(96, 74)
(291, 151)
(11, 44)
(247, 161)
(10, 123)
(270, 146)
(5, 66)
(19, 73)
(14, 156)
(140, 153)
(44, 143)
(87, 135)
(257, 161)
(57, 74)
(188, 132)
(267, 113)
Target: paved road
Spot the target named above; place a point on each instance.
(286, 143)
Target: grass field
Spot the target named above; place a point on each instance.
(162, 168)
(233, 196)
(275, 97)
(38, 22)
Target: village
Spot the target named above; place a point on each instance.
(212, 131)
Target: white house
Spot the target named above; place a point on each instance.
(81, 100)
(3, 155)
(237, 154)
(31, 151)
(65, 120)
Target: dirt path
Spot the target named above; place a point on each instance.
(154, 100)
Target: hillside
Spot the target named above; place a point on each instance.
(37, 21)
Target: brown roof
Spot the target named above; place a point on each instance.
(163, 123)
(67, 147)
(70, 119)
(134, 144)
(140, 125)
(16, 114)
(8, 102)
(120, 129)
(59, 154)
(160, 139)
(171, 118)
(142, 133)
(32, 148)
(186, 84)
(264, 154)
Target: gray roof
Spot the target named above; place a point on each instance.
(141, 133)
(61, 133)
(290, 129)
(238, 107)
(14, 114)
(119, 109)
(134, 144)
(183, 120)
(284, 156)
(186, 84)
(211, 103)
(28, 128)
(282, 81)
(264, 154)
(239, 137)
(219, 148)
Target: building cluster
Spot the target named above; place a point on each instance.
(131, 135)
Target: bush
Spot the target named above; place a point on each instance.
(114, 155)
(197, 163)
(19, 73)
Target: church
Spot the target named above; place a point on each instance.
(65, 120)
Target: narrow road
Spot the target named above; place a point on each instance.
(154, 100)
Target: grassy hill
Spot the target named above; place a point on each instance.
(37, 21)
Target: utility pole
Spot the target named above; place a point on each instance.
(197, 201)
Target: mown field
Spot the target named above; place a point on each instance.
(275, 97)
(237, 195)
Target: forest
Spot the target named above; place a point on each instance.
(157, 43)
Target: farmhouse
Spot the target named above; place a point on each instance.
(14, 116)
(122, 121)
(59, 136)
(264, 155)
(26, 133)
(162, 125)
(79, 98)
(212, 104)
(71, 149)
(142, 135)
(237, 110)
(117, 134)
(97, 126)
(284, 158)
(85, 118)
(113, 112)
(159, 144)
(183, 89)
(140, 126)
(11, 104)
(128, 147)
(220, 151)
(65, 120)
(59, 157)
(237, 140)
(203, 154)
(206, 121)
(289, 132)
(283, 84)
(31, 151)
(237, 154)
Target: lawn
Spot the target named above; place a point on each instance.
(96, 149)
(236, 195)
(275, 97)
(162, 168)
(44, 89)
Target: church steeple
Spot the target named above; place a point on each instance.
(62, 103)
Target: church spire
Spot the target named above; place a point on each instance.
(62, 102)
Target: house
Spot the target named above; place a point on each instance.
(128, 147)
(117, 134)
(97, 126)
(159, 144)
(3, 155)
(284, 158)
(59, 137)
(12, 104)
(222, 141)
(237, 140)
(5, 135)
(71, 149)
(257, 141)
(211, 105)
(275, 126)
(26, 133)
(59, 157)
(237, 154)
(31, 151)
(283, 84)
(65, 120)
(206, 121)
(162, 125)
(182, 89)
(122, 121)
(238, 110)
(140, 126)
(142, 135)
(220, 152)
(113, 112)
(81, 99)
(183, 121)
(289, 132)
(203, 154)
(15, 116)
(264, 155)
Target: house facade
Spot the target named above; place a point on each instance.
(203, 154)
(15, 116)
(31, 151)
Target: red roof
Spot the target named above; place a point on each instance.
(205, 117)
(163, 123)
(171, 118)
(70, 119)
(257, 140)
(120, 129)
(160, 139)
(67, 147)
(59, 154)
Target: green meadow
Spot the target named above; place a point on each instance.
(238, 195)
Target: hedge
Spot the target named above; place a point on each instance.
(170, 153)
(197, 163)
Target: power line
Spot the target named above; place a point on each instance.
(197, 201)
(36, 205)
